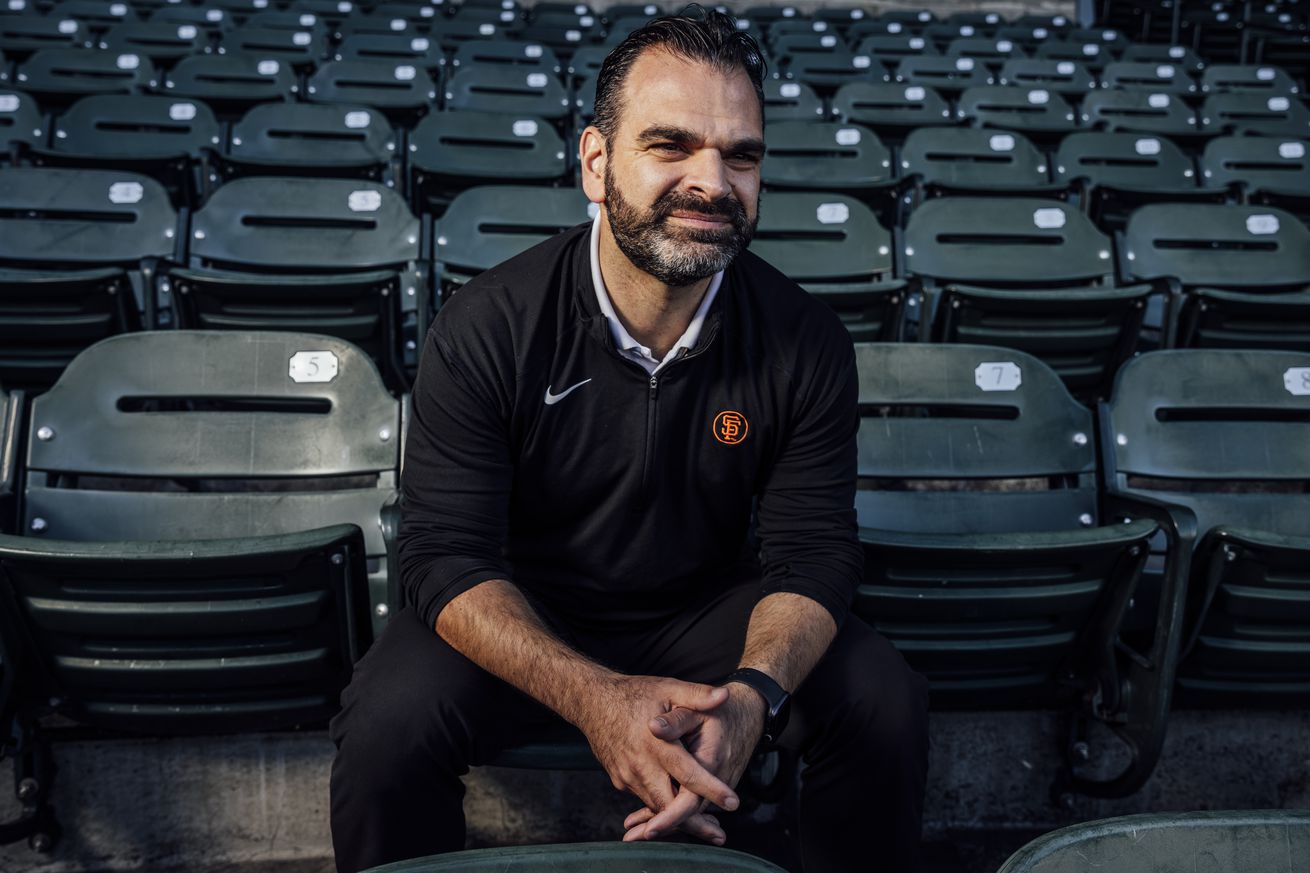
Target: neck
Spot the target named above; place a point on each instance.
(655, 314)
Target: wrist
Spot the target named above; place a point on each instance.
(749, 701)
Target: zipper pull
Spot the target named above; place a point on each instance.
(654, 382)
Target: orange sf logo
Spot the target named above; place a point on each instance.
(730, 427)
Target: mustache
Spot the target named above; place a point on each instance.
(728, 207)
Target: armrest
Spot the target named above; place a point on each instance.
(11, 416)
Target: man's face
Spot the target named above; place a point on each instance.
(682, 176)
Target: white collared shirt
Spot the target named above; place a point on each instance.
(623, 341)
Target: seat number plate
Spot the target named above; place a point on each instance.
(313, 367)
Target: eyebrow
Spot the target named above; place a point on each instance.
(672, 133)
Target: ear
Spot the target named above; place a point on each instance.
(592, 156)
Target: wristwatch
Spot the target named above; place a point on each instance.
(776, 699)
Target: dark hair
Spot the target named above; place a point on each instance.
(695, 34)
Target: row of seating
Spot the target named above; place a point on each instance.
(250, 477)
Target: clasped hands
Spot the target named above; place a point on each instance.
(678, 746)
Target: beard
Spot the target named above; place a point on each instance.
(677, 256)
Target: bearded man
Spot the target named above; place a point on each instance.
(629, 486)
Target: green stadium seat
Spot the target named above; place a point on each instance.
(402, 92)
(302, 49)
(1092, 55)
(331, 256)
(1069, 79)
(1173, 842)
(292, 19)
(21, 35)
(238, 11)
(1040, 114)
(586, 62)
(892, 49)
(987, 562)
(298, 139)
(1238, 276)
(1257, 114)
(891, 111)
(486, 225)
(507, 90)
(457, 31)
(1117, 172)
(587, 858)
(231, 84)
(1182, 57)
(800, 38)
(831, 156)
(1223, 437)
(166, 138)
(1265, 170)
(790, 101)
(827, 71)
(199, 515)
(21, 123)
(1027, 36)
(1027, 274)
(833, 246)
(362, 23)
(208, 19)
(1247, 79)
(452, 151)
(992, 53)
(58, 77)
(1147, 76)
(949, 76)
(518, 55)
(97, 15)
(423, 52)
(1141, 112)
(974, 161)
(164, 42)
(77, 252)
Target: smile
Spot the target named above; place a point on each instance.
(696, 219)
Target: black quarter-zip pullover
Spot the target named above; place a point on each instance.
(537, 454)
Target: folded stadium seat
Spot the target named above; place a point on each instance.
(302, 50)
(166, 138)
(804, 42)
(1290, 51)
(200, 514)
(231, 84)
(21, 35)
(1114, 41)
(644, 857)
(564, 34)
(788, 101)
(959, 160)
(621, 27)
(1091, 55)
(1264, 170)
(78, 250)
(452, 151)
(1147, 76)
(420, 16)
(833, 247)
(1247, 79)
(827, 71)
(209, 19)
(1116, 172)
(238, 11)
(498, 89)
(362, 23)
(1142, 112)
(292, 19)
(1182, 57)
(1069, 79)
(1172, 841)
(96, 15)
(1279, 115)
(979, 20)
(1027, 36)
(892, 49)
(423, 52)
(1027, 274)
(332, 12)
(992, 53)
(988, 564)
(763, 15)
(1238, 276)
(586, 62)
(297, 139)
(841, 17)
(563, 8)
(618, 11)
(517, 55)
(1038, 113)
(58, 77)
(21, 124)
(163, 42)
(331, 256)
(891, 111)
(945, 33)
(948, 76)
(584, 102)
(486, 225)
(402, 92)
(456, 31)
(905, 20)
(1223, 437)
(805, 31)
(832, 156)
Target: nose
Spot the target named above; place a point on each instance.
(707, 175)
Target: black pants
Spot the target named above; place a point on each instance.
(417, 714)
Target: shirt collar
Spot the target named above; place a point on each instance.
(623, 340)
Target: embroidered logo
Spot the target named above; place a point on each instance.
(730, 427)
(552, 399)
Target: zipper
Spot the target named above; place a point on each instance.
(651, 395)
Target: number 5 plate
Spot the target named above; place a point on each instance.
(313, 367)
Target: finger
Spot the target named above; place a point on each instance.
(705, 827)
(691, 775)
(641, 816)
(668, 819)
(695, 695)
(676, 723)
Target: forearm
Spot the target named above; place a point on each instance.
(495, 627)
(787, 635)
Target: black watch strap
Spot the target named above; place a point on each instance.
(776, 699)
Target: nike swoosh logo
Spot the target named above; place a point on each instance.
(552, 399)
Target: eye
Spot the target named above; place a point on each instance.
(668, 148)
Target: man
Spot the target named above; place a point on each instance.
(596, 422)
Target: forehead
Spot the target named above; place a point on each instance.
(669, 90)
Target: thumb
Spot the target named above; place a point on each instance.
(676, 723)
(697, 696)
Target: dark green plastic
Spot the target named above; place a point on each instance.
(301, 48)
(392, 48)
(891, 109)
(946, 75)
(1224, 436)
(57, 77)
(20, 120)
(1267, 165)
(1125, 162)
(1033, 111)
(164, 42)
(789, 101)
(1262, 114)
(450, 151)
(830, 156)
(830, 70)
(1139, 112)
(1150, 77)
(1258, 79)
(1268, 841)
(21, 35)
(973, 159)
(520, 55)
(1182, 57)
(1002, 596)
(494, 88)
(588, 858)
(402, 91)
(231, 84)
(1070, 79)
(892, 48)
(308, 139)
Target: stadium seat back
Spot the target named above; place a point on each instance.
(832, 69)
(21, 35)
(20, 121)
(1147, 76)
(947, 75)
(300, 48)
(310, 139)
(525, 57)
(1069, 79)
(57, 77)
(1277, 115)
(394, 49)
(1126, 161)
(789, 101)
(507, 90)
(1036, 112)
(231, 84)
(1267, 170)
(824, 156)
(891, 110)
(891, 49)
(1256, 79)
(164, 42)
(645, 857)
(1139, 112)
(402, 91)
(1182, 57)
(973, 159)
